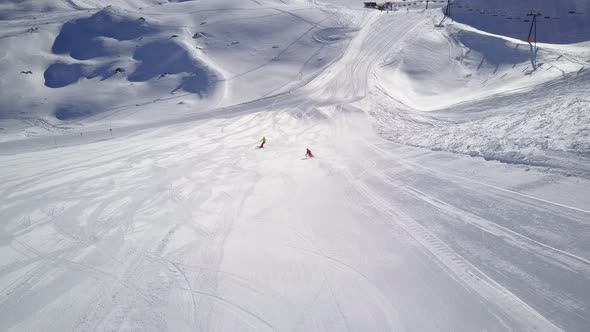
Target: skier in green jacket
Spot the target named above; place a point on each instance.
(263, 140)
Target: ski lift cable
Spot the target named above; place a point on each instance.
(463, 4)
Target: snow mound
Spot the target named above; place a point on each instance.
(98, 35)
(109, 44)
(547, 126)
(170, 57)
(59, 75)
(436, 70)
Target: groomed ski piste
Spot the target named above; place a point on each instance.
(450, 188)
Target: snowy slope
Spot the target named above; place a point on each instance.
(213, 52)
(189, 227)
(174, 221)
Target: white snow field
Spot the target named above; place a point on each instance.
(450, 189)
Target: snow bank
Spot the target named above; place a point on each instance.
(439, 68)
(547, 127)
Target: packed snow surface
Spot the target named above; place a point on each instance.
(449, 189)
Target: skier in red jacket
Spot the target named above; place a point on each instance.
(308, 153)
